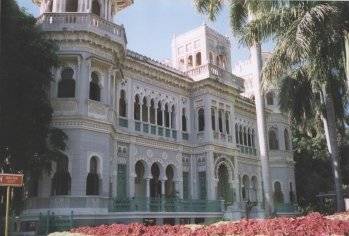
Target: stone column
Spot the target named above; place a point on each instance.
(208, 118)
(163, 187)
(216, 120)
(211, 191)
(147, 187)
(163, 115)
(82, 84)
(130, 106)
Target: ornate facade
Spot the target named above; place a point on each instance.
(172, 143)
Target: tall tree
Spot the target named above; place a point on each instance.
(28, 143)
(309, 46)
(241, 12)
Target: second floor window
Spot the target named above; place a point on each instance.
(122, 104)
(184, 121)
(95, 90)
(66, 86)
(201, 119)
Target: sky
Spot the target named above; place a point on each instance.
(151, 24)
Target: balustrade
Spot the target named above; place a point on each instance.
(82, 22)
(164, 205)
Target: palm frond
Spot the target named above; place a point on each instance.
(209, 7)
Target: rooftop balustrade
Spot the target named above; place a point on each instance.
(82, 22)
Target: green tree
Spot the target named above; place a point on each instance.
(28, 143)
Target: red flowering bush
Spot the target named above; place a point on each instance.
(312, 224)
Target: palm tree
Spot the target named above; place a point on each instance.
(240, 13)
(310, 40)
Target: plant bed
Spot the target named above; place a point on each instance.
(312, 224)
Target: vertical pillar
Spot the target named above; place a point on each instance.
(216, 119)
(163, 187)
(83, 82)
(156, 112)
(163, 115)
(130, 106)
(147, 187)
(208, 123)
(210, 178)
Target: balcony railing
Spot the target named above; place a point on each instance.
(165, 205)
(153, 129)
(66, 202)
(82, 22)
(286, 208)
(247, 150)
(213, 71)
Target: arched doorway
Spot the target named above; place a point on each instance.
(139, 180)
(223, 188)
(96, 8)
(155, 184)
(278, 194)
(92, 182)
(170, 191)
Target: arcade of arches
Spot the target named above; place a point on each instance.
(155, 182)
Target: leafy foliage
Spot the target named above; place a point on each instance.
(27, 142)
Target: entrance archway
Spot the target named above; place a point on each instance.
(169, 184)
(223, 188)
(139, 180)
(155, 184)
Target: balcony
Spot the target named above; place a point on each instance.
(251, 151)
(148, 128)
(165, 205)
(82, 22)
(64, 106)
(213, 71)
(62, 203)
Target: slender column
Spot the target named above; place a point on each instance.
(156, 113)
(147, 187)
(163, 187)
(211, 193)
(163, 116)
(148, 111)
(83, 85)
(216, 119)
(141, 110)
(170, 119)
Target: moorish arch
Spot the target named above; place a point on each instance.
(141, 170)
(156, 172)
(170, 190)
(224, 173)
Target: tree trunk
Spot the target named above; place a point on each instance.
(256, 57)
(346, 59)
(332, 145)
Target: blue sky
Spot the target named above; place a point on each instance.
(151, 24)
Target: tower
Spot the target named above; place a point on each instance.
(91, 48)
(202, 53)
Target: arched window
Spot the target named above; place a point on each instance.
(92, 182)
(240, 135)
(292, 195)
(270, 98)
(71, 5)
(169, 183)
(198, 59)
(152, 111)
(287, 140)
(145, 110)
(122, 104)
(61, 180)
(137, 108)
(167, 116)
(273, 141)
(95, 90)
(49, 6)
(159, 114)
(278, 195)
(190, 61)
(253, 138)
(173, 117)
(96, 8)
(227, 128)
(66, 86)
(220, 121)
(245, 136)
(249, 142)
(223, 62)
(184, 120)
(218, 61)
(213, 118)
(254, 189)
(201, 119)
(236, 134)
(245, 188)
(211, 58)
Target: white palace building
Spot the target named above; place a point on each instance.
(152, 142)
